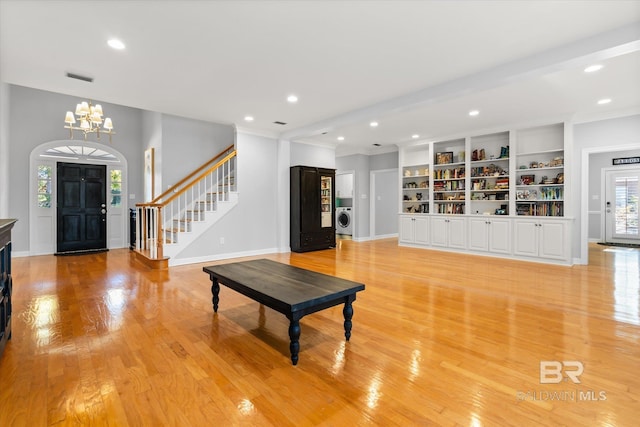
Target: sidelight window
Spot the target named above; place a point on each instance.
(44, 186)
(116, 188)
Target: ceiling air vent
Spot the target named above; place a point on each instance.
(79, 77)
(375, 144)
(279, 123)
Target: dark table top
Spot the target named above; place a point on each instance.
(282, 286)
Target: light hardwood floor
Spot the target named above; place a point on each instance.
(438, 339)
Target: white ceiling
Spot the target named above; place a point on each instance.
(414, 66)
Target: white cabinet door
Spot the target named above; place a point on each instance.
(450, 232)
(500, 235)
(478, 234)
(542, 238)
(421, 230)
(406, 229)
(552, 240)
(525, 238)
(439, 231)
(457, 232)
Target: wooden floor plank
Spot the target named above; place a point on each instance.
(438, 338)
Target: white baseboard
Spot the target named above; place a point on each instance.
(20, 254)
(384, 236)
(217, 257)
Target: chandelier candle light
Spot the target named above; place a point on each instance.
(90, 118)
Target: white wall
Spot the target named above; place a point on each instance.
(152, 138)
(595, 137)
(312, 155)
(251, 227)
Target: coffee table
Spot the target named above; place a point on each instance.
(292, 291)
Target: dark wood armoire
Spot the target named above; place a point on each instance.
(5, 281)
(313, 212)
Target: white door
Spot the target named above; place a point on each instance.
(457, 233)
(439, 231)
(622, 189)
(552, 240)
(406, 229)
(500, 235)
(478, 234)
(421, 230)
(525, 237)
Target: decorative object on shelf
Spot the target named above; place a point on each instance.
(419, 196)
(527, 179)
(556, 162)
(91, 121)
(504, 152)
(560, 178)
(444, 158)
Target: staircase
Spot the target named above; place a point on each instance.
(172, 221)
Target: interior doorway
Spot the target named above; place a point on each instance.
(622, 189)
(81, 207)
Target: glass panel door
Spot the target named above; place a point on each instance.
(621, 210)
(326, 201)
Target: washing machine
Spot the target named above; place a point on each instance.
(344, 222)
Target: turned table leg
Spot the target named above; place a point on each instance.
(294, 336)
(348, 315)
(215, 291)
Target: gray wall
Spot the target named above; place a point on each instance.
(386, 202)
(4, 150)
(187, 144)
(362, 165)
(620, 134)
(597, 163)
(37, 117)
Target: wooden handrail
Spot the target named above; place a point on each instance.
(202, 175)
(194, 181)
(149, 219)
(191, 175)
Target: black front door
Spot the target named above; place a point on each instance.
(82, 209)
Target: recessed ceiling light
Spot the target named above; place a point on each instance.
(593, 68)
(116, 44)
(292, 99)
(341, 138)
(474, 113)
(248, 118)
(604, 101)
(415, 136)
(373, 124)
